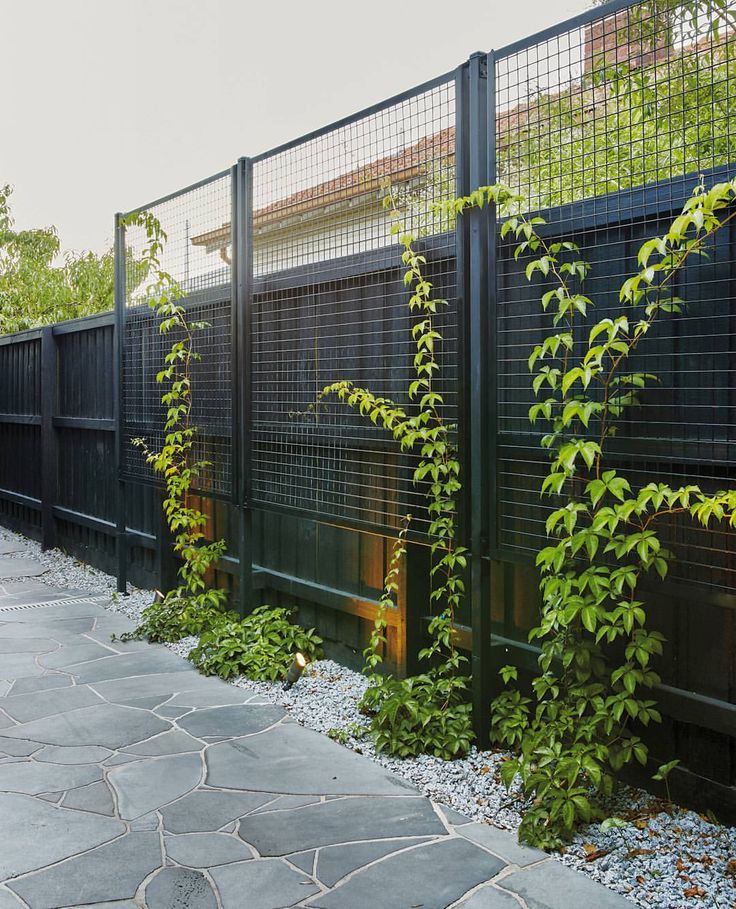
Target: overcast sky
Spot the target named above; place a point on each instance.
(110, 103)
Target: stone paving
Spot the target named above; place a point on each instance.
(129, 780)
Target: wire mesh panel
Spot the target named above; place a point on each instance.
(606, 129)
(330, 304)
(197, 254)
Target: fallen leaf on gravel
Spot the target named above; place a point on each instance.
(484, 770)
(640, 879)
(641, 823)
(706, 860)
(595, 854)
(632, 853)
(691, 892)
(680, 865)
(731, 868)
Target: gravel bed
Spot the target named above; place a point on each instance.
(666, 857)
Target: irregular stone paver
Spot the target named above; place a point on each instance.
(431, 876)
(210, 810)
(112, 871)
(24, 708)
(180, 888)
(269, 884)
(64, 833)
(95, 797)
(551, 885)
(295, 760)
(8, 547)
(146, 785)
(341, 821)
(106, 725)
(20, 568)
(33, 778)
(334, 862)
(212, 798)
(203, 850)
(232, 720)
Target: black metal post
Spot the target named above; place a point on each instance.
(242, 288)
(477, 386)
(121, 540)
(49, 450)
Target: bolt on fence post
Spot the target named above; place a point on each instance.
(242, 311)
(121, 539)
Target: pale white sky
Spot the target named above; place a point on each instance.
(107, 104)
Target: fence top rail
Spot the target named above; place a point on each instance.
(85, 323)
(19, 337)
(178, 192)
(574, 22)
(359, 115)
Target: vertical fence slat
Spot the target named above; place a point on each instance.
(49, 451)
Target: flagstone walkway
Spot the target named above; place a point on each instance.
(129, 780)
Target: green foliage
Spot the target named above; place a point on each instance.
(176, 461)
(35, 289)
(427, 713)
(596, 649)
(625, 124)
(180, 615)
(261, 646)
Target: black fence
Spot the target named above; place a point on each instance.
(604, 124)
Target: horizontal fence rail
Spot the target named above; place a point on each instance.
(604, 125)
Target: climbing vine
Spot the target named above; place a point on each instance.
(595, 666)
(192, 606)
(427, 712)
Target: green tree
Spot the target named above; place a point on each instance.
(35, 289)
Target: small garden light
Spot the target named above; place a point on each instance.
(295, 670)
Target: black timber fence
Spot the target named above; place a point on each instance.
(605, 124)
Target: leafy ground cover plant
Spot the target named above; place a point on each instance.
(261, 646)
(427, 713)
(595, 668)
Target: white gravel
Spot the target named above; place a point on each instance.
(666, 857)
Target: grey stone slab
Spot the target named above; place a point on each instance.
(231, 720)
(289, 801)
(148, 784)
(111, 872)
(304, 860)
(31, 778)
(15, 665)
(204, 850)
(145, 822)
(207, 810)
(120, 691)
(454, 817)
(54, 797)
(172, 713)
(9, 901)
(5, 721)
(144, 703)
(116, 904)
(219, 694)
(72, 654)
(45, 682)
(8, 546)
(28, 707)
(19, 748)
(172, 742)
(502, 843)
(4, 687)
(181, 888)
(107, 725)
(21, 568)
(551, 886)
(269, 883)
(341, 821)
(334, 862)
(82, 754)
(64, 833)
(26, 645)
(432, 876)
(491, 897)
(151, 661)
(95, 797)
(298, 761)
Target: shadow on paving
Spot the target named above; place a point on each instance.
(127, 779)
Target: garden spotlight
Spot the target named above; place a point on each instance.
(295, 670)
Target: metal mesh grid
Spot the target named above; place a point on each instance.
(197, 254)
(330, 304)
(606, 129)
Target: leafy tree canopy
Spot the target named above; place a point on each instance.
(35, 289)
